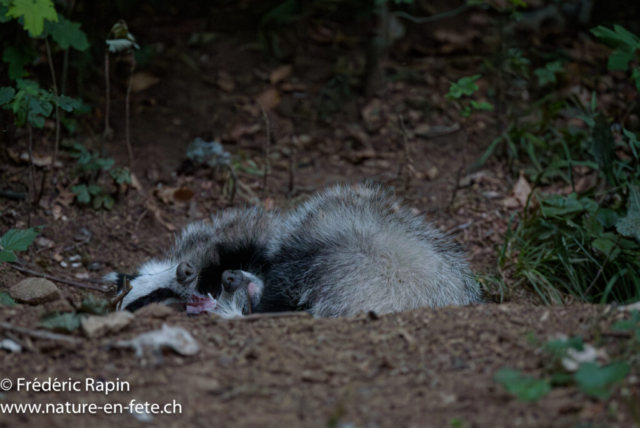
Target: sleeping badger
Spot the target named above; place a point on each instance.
(347, 250)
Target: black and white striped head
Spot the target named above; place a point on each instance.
(163, 282)
(168, 283)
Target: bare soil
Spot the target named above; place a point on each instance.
(423, 368)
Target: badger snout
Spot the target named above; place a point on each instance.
(185, 273)
(232, 280)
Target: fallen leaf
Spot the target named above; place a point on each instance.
(43, 242)
(173, 195)
(269, 99)
(143, 80)
(39, 160)
(281, 73)
(56, 211)
(225, 82)
(240, 130)
(522, 190)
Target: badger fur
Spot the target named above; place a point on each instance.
(192, 272)
(347, 250)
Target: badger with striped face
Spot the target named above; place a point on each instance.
(347, 250)
(213, 267)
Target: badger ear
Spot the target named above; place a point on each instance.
(119, 279)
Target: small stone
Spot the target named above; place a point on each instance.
(95, 326)
(76, 265)
(74, 258)
(34, 291)
(93, 266)
(10, 345)
(64, 264)
(155, 310)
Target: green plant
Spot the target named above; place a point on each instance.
(631, 325)
(462, 89)
(89, 168)
(525, 388)
(17, 240)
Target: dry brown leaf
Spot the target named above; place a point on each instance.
(39, 160)
(56, 211)
(269, 99)
(143, 80)
(522, 190)
(281, 73)
(241, 130)
(135, 183)
(174, 195)
(225, 82)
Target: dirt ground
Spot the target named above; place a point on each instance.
(423, 368)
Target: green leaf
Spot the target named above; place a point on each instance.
(465, 86)
(635, 76)
(19, 239)
(94, 306)
(481, 105)
(547, 74)
(94, 189)
(596, 381)
(97, 201)
(121, 175)
(82, 194)
(630, 224)
(607, 217)
(619, 60)
(18, 58)
(524, 387)
(557, 206)
(108, 202)
(35, 12)
(606, 247)
(65, 322)
(6, 300)
(6, 94)
(67, 34)
(67, 103)
(7, 256)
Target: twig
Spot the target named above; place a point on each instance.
(234, 183)
(126, 289)
(41, 334)
(406, 168)
(31, 179)
(56, 279)
(14, 196)
(128, 108)
(107, 131)
(461, 169)
(291, 167)
(266, 150)
(433, 18)
(55, 91)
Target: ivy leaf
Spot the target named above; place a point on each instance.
(596, 381)
(7, 256)
(67, 34)
(630, 225)
(18, 58)
(524, 387)
(6, 94)
(35, 12)
(82, 194)
(19, 239)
